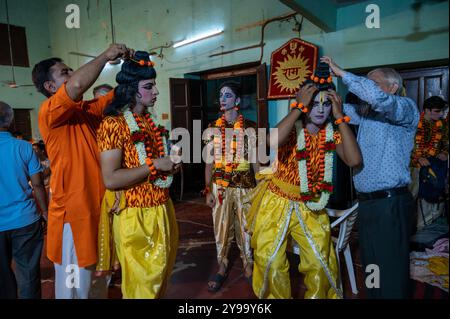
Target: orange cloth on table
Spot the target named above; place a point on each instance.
(115, 134)
(69, 132)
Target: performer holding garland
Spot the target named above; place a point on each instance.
(430, 154)
(134, 159)
(291, 200)
(228, 179)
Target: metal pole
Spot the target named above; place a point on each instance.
(113, 38)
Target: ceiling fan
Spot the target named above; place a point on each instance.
(416, 33)
(12, 84)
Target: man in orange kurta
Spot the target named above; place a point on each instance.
(68, 126)
(68, 129)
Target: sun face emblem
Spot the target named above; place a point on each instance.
(291, 73)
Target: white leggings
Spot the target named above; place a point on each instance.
(73, 282)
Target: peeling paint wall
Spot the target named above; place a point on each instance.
(145, 24)
(150, 24)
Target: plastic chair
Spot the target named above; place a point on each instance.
(346, 219)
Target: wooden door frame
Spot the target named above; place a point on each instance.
(29, 132)
(252, 68)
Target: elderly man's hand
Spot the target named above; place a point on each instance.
(335, 69)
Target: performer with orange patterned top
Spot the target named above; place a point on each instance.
(291, 200)
(134, 159)
(229, 176)
(432, 133)
(68, 125)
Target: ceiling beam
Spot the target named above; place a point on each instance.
(322, 13)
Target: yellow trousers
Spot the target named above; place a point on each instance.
(277, 220)
(229, 222)
(146, 241)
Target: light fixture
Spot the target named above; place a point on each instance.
(198, 38)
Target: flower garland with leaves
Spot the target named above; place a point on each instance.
(324, 184)
(143, 144)
(428, 147)
(222, 173)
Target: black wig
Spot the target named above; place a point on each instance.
(322, 72)
(128, 81)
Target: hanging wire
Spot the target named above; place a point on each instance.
(113, 38)
(298, 26)
(10, 43)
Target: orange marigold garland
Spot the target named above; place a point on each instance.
(427, 146)
(315, 195)
(316, 79)
(223, 173)
(143, 145)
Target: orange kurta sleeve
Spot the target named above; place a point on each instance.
(60, 107)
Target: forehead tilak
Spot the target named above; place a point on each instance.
(322, 96)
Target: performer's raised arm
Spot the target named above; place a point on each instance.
(303, 97)
(83, 78)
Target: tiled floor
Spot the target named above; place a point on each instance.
(196, 262)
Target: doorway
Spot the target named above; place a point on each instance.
(22, 123)
(195, 97)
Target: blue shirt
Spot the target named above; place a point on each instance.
(387, 127)
(18, 162)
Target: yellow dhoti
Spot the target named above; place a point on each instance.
(146, 242)
(142, 232)
(229, 222)
(276, 219)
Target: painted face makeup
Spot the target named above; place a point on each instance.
(435, 114)
(321, 109)
(147, 92)
(227, 98)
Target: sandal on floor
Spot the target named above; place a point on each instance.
(218, 279)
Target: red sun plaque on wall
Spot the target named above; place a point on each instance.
(290, 66)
